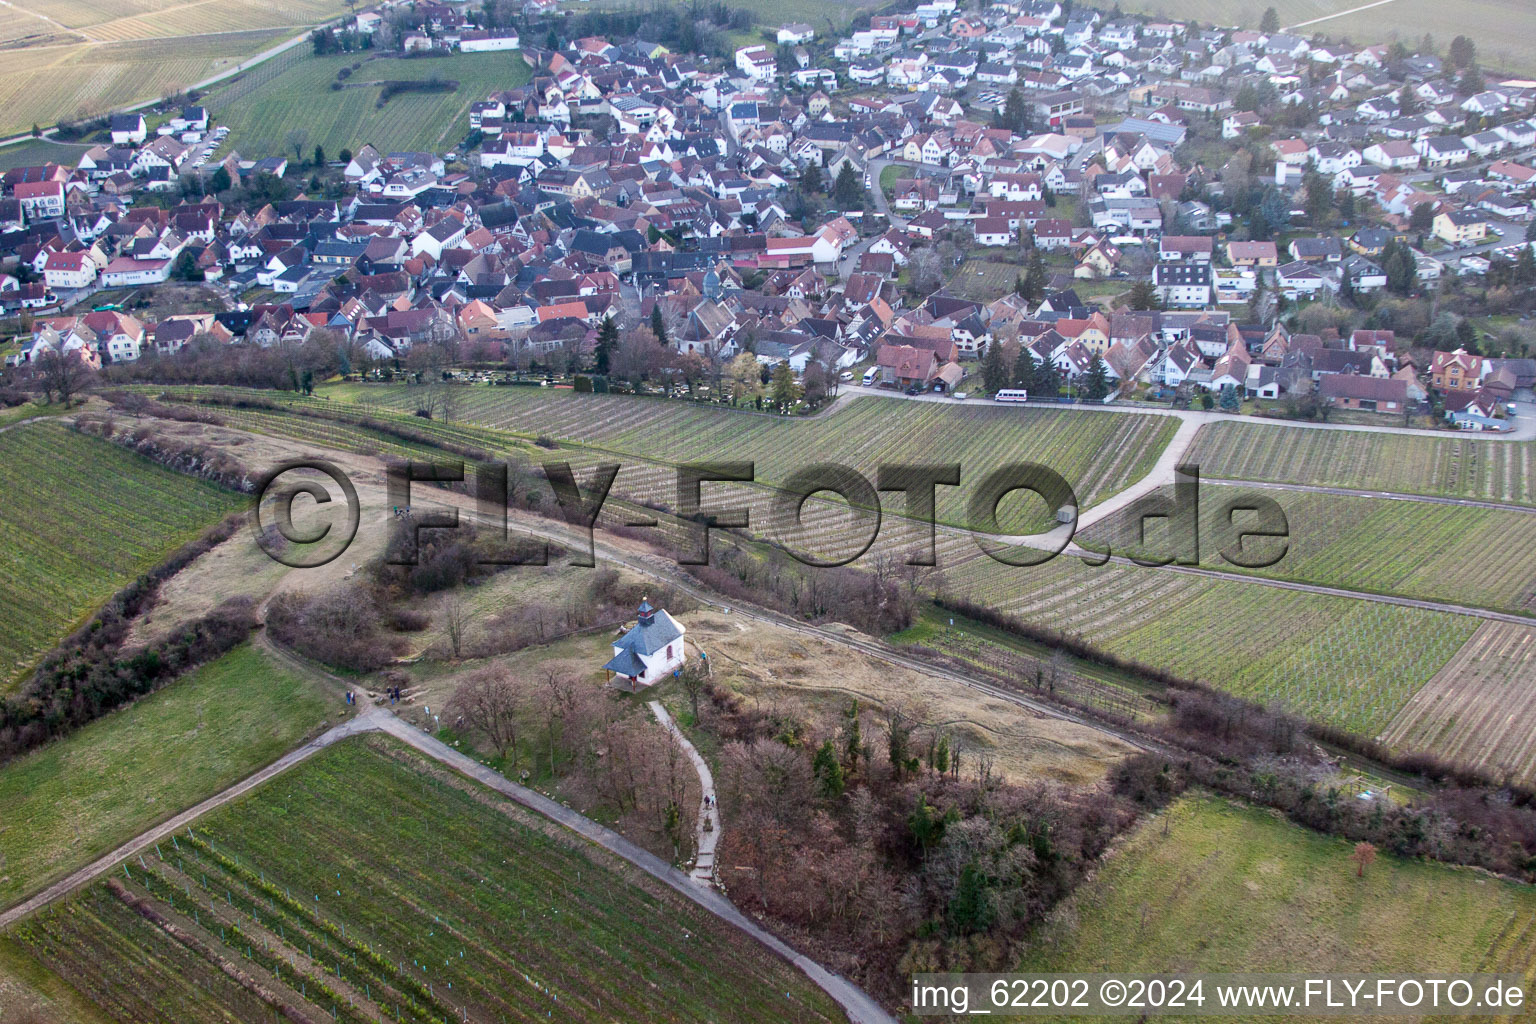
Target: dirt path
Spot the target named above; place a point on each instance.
(1355, 492)
(707, 830)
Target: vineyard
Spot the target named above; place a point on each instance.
(83, 517)
(1478, 709)
(1351, 662)
(1472, 556)
(1097, 453)
(1216, 886)
(332, 890)
(82, 796)
(1453, 466)
(262, 109)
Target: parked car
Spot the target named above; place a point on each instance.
(914, 390)
(845, 376)
(960, 395)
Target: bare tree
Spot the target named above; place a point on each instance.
(455, 625)
(63, 374)
(1364, 854)
(489, 703)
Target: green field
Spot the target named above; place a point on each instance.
(78, 798)
(1097, 453)
(367, 885)
(1454, 466)
(1347, 661)
(82, 517)
(984, 280)
(1233, 888)
(1472, 556)
(1501, 28)
(261, 110)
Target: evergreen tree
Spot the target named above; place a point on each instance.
(1346, 205)
(1463, 52)
(1047, 380)
(994, 371)
(1015, 114)
(1422, 218)
(786, 392)
(1270, 22)
(1230, 402)
(811, 179)
(1031, 287)
(1024, 369)
(853, 737)
(827, 771)
(607, 343)
(1466, 335)
(319, 156)
(849, 189)
(1096, 383)
(1525, 266)
(220, 181)
(970, 909)
(659, 325)
(1143, 295)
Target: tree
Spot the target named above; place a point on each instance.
(1143, 295)
(1230, 401)
(1015, 114)
(1207, 402)
(744, 378)
(1047, 380)
(220, 181)
(1422, 218)
(345, 156)
(1319, 199)
(970, 910)
(1470, 83)
(812, 180)
(185, 268)
(1346, 205)
(607, 343)
(1363, 856)
(827, 771)
(1407, 101)
(994, 371)
(1031, 287)
(1024, 369)
(296, 138)
(659, 324)
(1096, 384)
(319, 156)
(849, 189)
(1463, 52)
(63, 374)
(455, 624)
(786, 392)
(1270, 22)
(489, 703)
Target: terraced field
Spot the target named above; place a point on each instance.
(1098, 453)
(332, 889)
(1351, 662)
(1472, 556)
(1230, 887)
(82, 517)
(1478, 709)
(1454, 466)
(261, 112)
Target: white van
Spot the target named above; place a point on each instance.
(871, 375)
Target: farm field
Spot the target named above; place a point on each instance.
(1472, 556)
(76, 799)
(1098, 453)
(1452, 466)
(1499, 27)
(333, 890)
(261, 111)
(45, 85)
(124, 514)
(1477, 709)
(1235, 888)
(1347, 661)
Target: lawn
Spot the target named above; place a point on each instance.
(368, 885)
(1232, 888)
(82, 517)
(1473, 556)
(78, 798)
(984, 280)
(262, 109)
(1455, 465)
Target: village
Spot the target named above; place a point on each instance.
(1245, 220)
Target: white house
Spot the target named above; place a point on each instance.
(648, 652)
(69, 270)
(756, 62)
(484, 42)
(795, 34)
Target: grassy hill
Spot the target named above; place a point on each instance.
(1232, 888)
(83, 517)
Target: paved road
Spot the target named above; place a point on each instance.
(707, 830)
